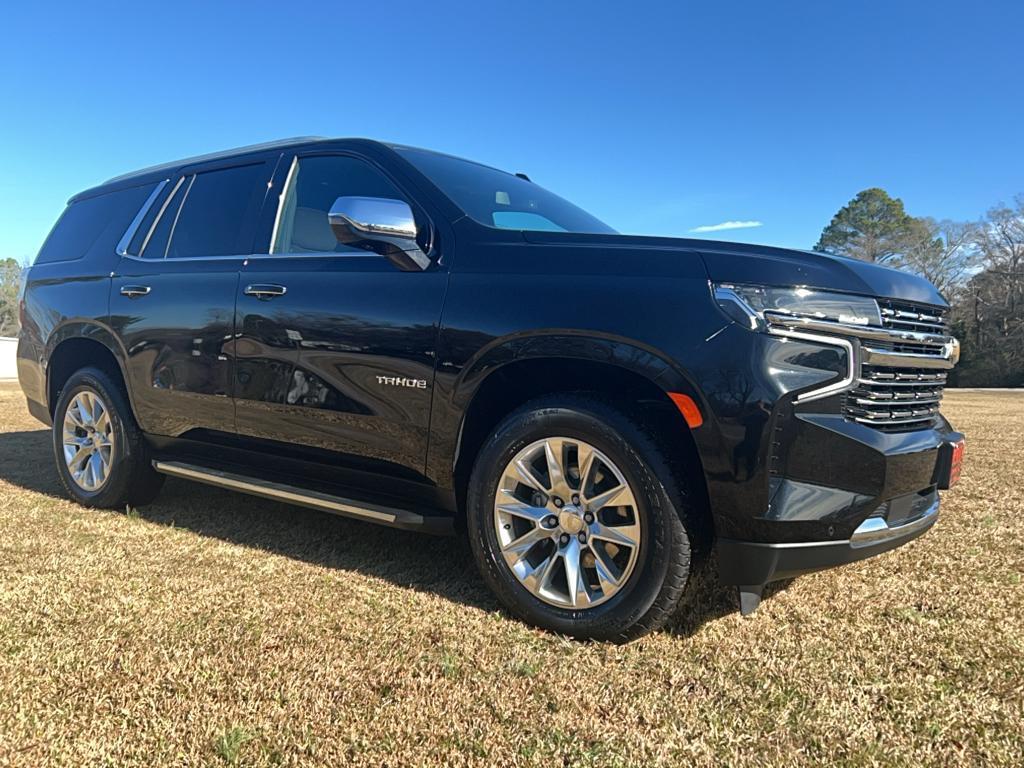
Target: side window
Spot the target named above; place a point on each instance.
(218, 213)
(92, 225)
(153, 244)
(314, 183)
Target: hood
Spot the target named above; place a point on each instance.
(730, 262)
(766, 265)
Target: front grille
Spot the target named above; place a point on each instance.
(909, 317)
(899, 368)
(898, 398)
(895, 399)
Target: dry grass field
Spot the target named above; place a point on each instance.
(212, 628)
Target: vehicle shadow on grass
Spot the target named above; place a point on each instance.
(440, 565)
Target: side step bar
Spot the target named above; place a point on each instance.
(361, 510)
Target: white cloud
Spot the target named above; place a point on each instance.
(727, 225)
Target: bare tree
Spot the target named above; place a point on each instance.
(10, 286)
(989, 311)
(945, 253)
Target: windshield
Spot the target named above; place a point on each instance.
(499, 199)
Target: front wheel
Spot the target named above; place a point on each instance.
(578, 522)
(102, 458)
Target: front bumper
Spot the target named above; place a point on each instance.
(753, 564)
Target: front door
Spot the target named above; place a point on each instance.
(336, 345)
(172, 297)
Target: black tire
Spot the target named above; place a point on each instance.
(131, 481)
(670, 524)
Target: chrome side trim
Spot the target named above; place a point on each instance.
(860, 331)
(852, 370)
(290, 494)
(129, 234)
(177, 215)
(875, 530)
(238, 257)
(885, 358)
(288, 181)
(156, 220)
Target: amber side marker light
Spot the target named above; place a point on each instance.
(688, 408)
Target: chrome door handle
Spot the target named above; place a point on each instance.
(135, 291)
(265, 290)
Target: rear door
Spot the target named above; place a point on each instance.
(173, 295)
(336, 345)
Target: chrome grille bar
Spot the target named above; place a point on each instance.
(902, 362)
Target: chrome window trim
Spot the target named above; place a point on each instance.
(288, 181)
(852, 368)
(159, 216)
(193, 258)
(177, 215)
(129, 234)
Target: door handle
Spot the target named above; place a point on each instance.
(265, 290)
(135, 291)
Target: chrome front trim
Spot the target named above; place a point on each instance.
(852, 368)
(875, 530)
(860, 331)
(290, 494)
(888, 359)
(129, 234)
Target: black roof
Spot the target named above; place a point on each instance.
(251, 148)
(166, 169)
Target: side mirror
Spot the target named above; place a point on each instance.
(380, 225)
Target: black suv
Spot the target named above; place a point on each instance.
(421, 341)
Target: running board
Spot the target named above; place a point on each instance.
(361, 510)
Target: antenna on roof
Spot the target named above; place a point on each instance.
(523, 176)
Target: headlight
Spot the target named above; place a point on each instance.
(747, 304)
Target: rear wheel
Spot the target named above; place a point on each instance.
(578, 522)
(102, 458)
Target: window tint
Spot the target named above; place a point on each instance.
(141, 235)
(499, 199)
(524, 220)
(154, 244)
(315, 183)
(93, 224)
(218, 213)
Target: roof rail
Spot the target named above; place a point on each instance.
(279, 144)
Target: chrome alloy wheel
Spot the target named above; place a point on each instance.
(88, 441)
(567, 523)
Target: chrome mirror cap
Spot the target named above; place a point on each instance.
(371, 217)
(381, 225)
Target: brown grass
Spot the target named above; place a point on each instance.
(211, 628)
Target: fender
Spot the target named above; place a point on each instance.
(572, 344)
(454, 397)
(93, 330)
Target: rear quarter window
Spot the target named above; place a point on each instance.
(93, 225)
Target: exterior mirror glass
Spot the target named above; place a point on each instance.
(381, 225)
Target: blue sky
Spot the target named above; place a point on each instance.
(657, 117)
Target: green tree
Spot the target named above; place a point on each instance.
(875, 227)
(10, 286)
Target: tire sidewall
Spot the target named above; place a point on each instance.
(610, 434)
(121, 467)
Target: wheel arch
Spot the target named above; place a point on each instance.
(74, 346)
(504, 377)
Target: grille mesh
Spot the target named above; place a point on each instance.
(909, 317)
(896, 399)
